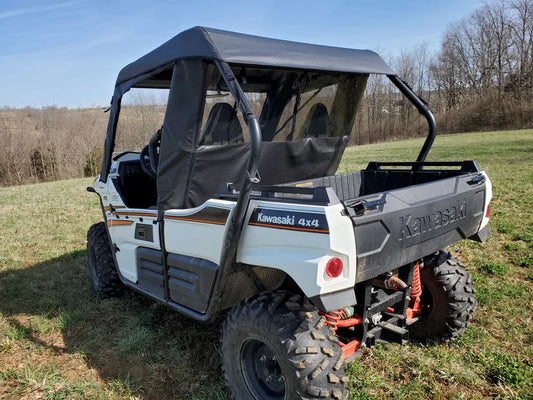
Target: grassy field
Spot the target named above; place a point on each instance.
(58, 342)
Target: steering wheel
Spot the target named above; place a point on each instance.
(150, 155)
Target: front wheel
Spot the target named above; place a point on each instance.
(447, 300)
(105, 282)
(275, 346)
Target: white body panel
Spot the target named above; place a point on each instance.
(488, 198)
(196, 237)
(302, 255)
(121, 224)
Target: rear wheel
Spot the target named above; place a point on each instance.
(105, 282)
(276, 346)
(447, 300)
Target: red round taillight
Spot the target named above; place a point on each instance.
(334, 267)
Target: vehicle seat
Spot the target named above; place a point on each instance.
(222, 126)
(137, 189)
(317, 123)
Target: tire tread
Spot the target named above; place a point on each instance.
(316, 364)
(107, 283)
(453, 317)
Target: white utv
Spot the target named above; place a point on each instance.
(234, 205)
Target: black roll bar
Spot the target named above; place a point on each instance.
(423, 109)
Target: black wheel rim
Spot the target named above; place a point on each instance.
(262, 371)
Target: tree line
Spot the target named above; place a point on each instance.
(481, 78)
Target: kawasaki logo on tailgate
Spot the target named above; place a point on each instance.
(411, 225)
(292, 220)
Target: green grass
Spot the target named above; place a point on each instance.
(58, 342)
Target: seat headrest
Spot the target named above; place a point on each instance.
(222, 126)
(317, 123)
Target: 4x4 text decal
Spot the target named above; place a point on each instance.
(293, 220)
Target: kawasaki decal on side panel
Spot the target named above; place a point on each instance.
(292, 220)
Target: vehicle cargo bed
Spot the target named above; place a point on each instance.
(407, 211)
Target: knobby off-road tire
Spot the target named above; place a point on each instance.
(276, 346)
(105, 282)
(448, 301)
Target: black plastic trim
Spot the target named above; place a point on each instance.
(467, 166)
(190, 281)
(334, 300)
(481, 236)
(309, 195)
(150, 274)
(144, 232)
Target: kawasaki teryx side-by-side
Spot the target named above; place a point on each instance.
(233, 206)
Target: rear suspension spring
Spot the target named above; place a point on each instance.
(333, 318)
(414, 308)
(416, 286)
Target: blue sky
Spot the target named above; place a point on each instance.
(69, 52)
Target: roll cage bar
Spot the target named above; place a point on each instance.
(423, 109)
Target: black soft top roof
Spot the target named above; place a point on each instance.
(239, 48)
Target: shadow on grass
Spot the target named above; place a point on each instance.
(155, 351)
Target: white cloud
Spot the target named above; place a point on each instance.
(34, 10)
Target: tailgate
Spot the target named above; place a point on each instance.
(400, 226)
